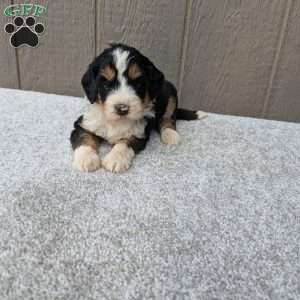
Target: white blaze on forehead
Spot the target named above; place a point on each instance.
(120, 58)
(121, 64)
(123, 93)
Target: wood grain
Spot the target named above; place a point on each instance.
(65, 49)
(8, 63)
(155, 27)
(284, 102)
(228, 55)
(232, 56)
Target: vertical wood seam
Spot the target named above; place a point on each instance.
(275, 64)
(183, 51)
(95, 28)
(18, 68)
(17, 59)
(100, 25)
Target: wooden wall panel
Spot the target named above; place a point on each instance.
(283, 102)
(65, 49)
(155, 27)
(228, 55)
(232, 56)
(8, 64)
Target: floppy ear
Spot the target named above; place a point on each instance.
(89, 84)
(156, 79)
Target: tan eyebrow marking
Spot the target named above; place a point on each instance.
(134, 71)
(108, 72)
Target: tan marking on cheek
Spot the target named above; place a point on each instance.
(108, 72)
(134, 71)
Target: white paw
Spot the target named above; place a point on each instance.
(86, 159)
(118, 159)
(170, 136)
(201, 114)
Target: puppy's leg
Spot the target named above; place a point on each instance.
(167, 124)
(85, 146)
(120, 157)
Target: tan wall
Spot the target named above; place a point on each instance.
(237, 57)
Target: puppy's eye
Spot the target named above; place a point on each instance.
(138, 82)
(104, 81)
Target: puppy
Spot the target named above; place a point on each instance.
(129, 97)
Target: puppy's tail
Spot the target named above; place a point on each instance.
(188, 115)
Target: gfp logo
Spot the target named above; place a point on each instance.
(24, 30)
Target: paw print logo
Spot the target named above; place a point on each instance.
(24, 32)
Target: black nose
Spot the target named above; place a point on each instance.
(122, 109)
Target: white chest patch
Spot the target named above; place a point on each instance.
(94, 121)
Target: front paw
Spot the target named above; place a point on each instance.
(86, 159)
(118, 159)
(170, 136)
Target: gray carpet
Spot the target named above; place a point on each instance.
(217, 217)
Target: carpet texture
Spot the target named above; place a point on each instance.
(217, 217)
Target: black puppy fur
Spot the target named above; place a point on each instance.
(148, 84)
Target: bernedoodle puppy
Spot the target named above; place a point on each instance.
(129, 97)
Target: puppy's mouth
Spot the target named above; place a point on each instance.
(114, 116)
